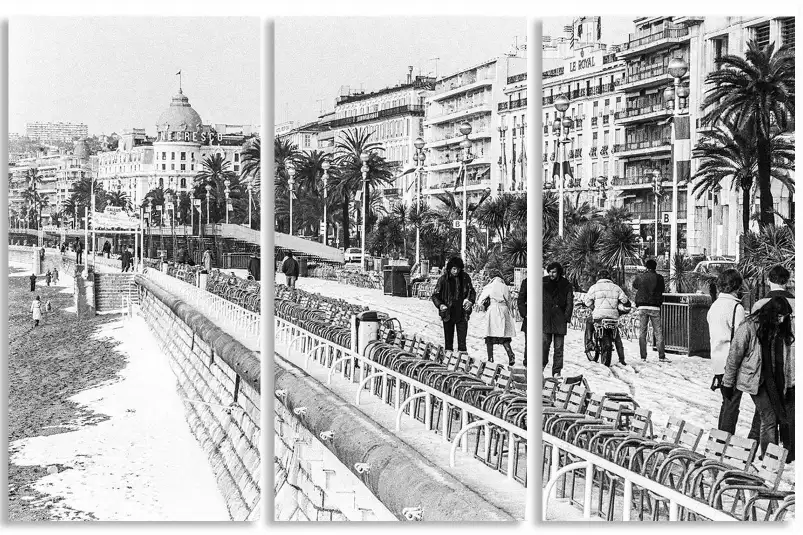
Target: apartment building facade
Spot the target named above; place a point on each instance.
(512, 132)
(47, 131)
(472, 95)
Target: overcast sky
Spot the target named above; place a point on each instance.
(114, 73)
(316, 56)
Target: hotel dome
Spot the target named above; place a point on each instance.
(180, 116)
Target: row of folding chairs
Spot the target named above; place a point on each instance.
(722, 472)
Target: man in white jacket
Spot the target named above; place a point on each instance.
(724, 317)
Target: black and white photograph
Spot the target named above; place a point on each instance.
(133, 269)
(669, 268)
(400, 253)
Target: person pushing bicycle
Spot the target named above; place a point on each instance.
(607, 302)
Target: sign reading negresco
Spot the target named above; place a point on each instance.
(194, 137)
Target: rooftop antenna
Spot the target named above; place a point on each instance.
(179, 80)
(436, 65)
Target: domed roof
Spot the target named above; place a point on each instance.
(179, 116)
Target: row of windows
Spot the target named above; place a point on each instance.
(183, 156)
(578, 110)
(606, 139)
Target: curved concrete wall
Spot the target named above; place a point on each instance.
(398, 476)
(220, 382)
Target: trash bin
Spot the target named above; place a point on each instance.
(254, 267)
(303, 271)
(685, 324)
(394, 280)
(367, 329)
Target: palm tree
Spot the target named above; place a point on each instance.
(578, 215)
(251, 160)
(615, 215)
(119, 198)
(401, 213)
(348, 177)
(618, 244)
(498, 214)
(550, 215)
(755, 94)
(727, 151)
(216, 170)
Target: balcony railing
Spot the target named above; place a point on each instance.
(594, 121)
(606, 119)
(578, 122)
(592, 151)
(516, 78)
(669, 32)
(616, 147)
(640, 110)
(608, 58)
(603, 151)
(649, 144)
(381, 114)
(661, 69)
(558, 71)
(637, 180)
(519, 103)
(451, 111)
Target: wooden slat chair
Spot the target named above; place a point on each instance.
(738, 455)
(786, 505)
(760, 482)
(549, 388)
(679, 462)
(561, 404)
(605, 443)
(581, 406)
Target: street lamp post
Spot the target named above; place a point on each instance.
(250, 189)
(561, 104)
(677, 69)
(364, 157)
(208, 194)
(656, 189)
(465, 130)
(325, 165)
(419, 158)
(227, 183)
(291, 182)
(149, 210)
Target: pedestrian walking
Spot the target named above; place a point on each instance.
(55, 276)
(48, 277)
(522, 304)
(779, 277)
(33, 282)
(207, 260)
(650, 289)
(498, 324)
(125, 260)
(724, 316)
(761, 363)
(291, 269)
(107, 249)
(454, 296)
(36, 311)
(79, 252)
(558, 305)
(607, 301)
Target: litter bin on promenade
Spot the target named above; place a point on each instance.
(685, 324)
(395, 282)
(303, 271)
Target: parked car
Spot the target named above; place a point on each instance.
(714, 267)
(353, 254)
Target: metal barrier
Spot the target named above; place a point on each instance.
(376, 379)
(241, 323)
(236, 260)
(591, 462)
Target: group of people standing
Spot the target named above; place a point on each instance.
(754, 354)
(455, 296)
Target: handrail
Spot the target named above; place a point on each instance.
(370, 369)
(590, 462)
(241, 323)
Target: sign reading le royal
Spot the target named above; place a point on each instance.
(194, 137)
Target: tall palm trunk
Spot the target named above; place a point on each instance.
(767, 215)
(745, 210)
(345, 208)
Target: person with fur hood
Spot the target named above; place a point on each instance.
(498, 324)
(454, 296)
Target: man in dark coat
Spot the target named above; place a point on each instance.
(33, 282)
(79, 251)
(454, 296)
(290, 269)
(125, 260)
(522, 304)
(558, 307)
(650, 288)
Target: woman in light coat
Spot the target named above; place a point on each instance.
(36, 311)
(498, 325)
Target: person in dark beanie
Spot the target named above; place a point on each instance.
(650, 288)
(454, 296)
(558, 306)
(33, 282)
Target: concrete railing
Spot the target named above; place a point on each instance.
(589, 463)
(240, 323)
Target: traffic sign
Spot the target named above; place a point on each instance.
(196, 202)
(667, 218)
(322, 226)
(457, 223)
